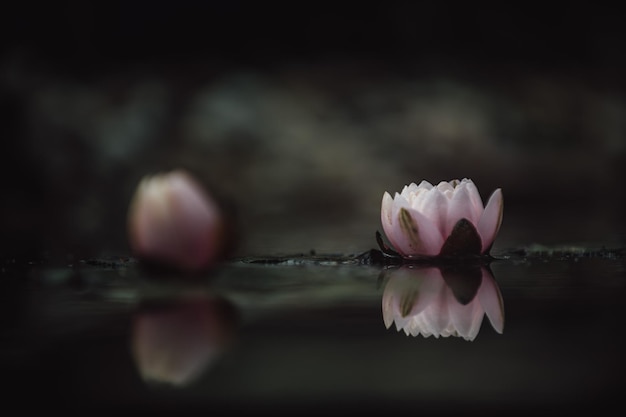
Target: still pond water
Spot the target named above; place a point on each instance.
(537, 330)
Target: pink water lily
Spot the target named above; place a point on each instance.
(173, 220)
(444, 220)
(435, 302)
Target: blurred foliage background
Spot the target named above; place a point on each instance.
(300, 116)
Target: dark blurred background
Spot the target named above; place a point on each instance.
(300, 116)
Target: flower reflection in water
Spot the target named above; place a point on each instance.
(442, 301)
(174, 342)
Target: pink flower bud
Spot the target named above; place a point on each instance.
(173, 221)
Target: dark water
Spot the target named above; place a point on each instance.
(307, 334)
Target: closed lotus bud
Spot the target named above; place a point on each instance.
(446, 301)
(173, 221)
(445, 220)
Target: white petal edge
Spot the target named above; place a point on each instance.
(425, 184)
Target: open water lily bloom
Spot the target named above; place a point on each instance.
(448, 219)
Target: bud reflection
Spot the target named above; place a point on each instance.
(174, 342)
(442, 301)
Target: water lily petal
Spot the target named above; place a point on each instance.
(386, 218)
(422, 324)
(431, 287)
(460, 315)
(417, 199)
(445, 188)
(438, 313)
(465, 318)
(434, 205)
(390, 227)
(490, 221)
(477, 203)
(413, 234)
(459, 208)
(407, 293)
(425, 184)
(411, 188)
(386, 210)
(413, 327)
(491, 301)
(388, 307)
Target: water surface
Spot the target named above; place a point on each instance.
(308, 333)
